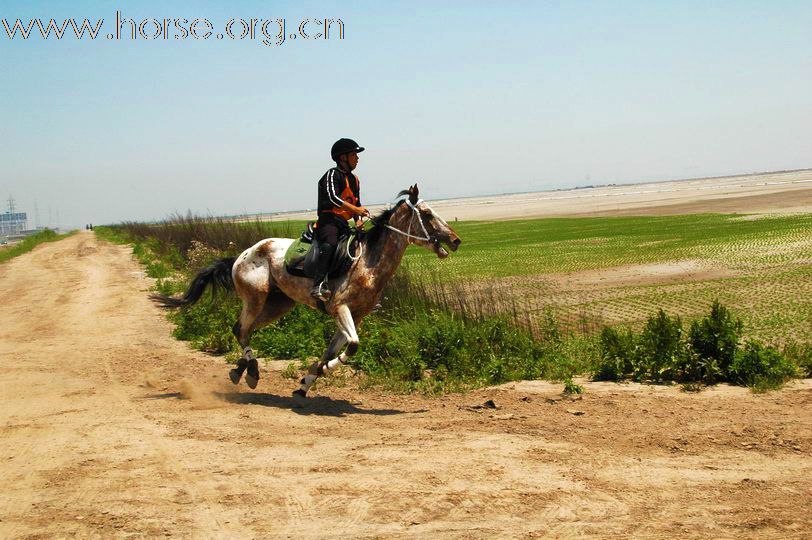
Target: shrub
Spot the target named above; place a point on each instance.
(691, 367)
(715, 340)
(760, 367)
(660, 348)
(440, 346)
(208, 324)
(801, 356)
(571, 388)
(616, 353)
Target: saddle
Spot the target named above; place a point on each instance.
(301, 258)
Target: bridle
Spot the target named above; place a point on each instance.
(416, 214)
(409, 235)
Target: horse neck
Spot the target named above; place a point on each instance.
(385, 257)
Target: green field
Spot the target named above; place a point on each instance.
(588, 272)
(761, 267)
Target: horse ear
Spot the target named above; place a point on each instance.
(413, 193)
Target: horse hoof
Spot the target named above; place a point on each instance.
(300, 397)
(235, 376)
(252, 375)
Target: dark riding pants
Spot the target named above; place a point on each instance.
(329, 232)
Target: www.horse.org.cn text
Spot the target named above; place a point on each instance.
(270, 32)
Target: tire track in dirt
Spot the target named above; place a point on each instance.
(111, 428)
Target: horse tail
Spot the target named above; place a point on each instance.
(217, 275)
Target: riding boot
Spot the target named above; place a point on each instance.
(320, 289)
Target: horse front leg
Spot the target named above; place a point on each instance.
(346, 334)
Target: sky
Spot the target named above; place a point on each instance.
(465, 98)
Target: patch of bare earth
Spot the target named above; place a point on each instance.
(111, 428)
(644, 274)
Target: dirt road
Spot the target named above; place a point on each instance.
(110, 428)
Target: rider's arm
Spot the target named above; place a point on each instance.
(330, 189)
(357, 210)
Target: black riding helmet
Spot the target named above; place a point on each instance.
(344, 146)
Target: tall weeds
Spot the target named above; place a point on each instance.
(179, 232)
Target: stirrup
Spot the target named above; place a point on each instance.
(321, 292)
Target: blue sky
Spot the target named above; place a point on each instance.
(467, 98)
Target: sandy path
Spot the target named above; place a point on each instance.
(112, 428)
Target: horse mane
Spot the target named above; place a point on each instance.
(380, 220)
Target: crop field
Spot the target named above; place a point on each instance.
(592, 271)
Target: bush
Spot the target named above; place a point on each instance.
(661, 352)
(801, 356)
(438, 345)
(761, 368)
(693, 368)
(208, 324)
(616, 353)
(715, 340)
(571, 388)
(660, 348)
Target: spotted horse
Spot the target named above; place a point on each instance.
(268, 291)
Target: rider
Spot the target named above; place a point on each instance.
(339, 200)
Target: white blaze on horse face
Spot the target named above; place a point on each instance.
(433, 213)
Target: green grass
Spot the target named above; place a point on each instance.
(114, 235)
(551, 245)
(29, 243)
(759, 267)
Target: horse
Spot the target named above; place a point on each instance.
(268, 291)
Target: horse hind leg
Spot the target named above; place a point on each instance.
(276, 305)
(236, 374)
(242, 330)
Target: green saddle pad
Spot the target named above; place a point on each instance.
(296, 252)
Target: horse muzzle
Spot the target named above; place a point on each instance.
(452, 243)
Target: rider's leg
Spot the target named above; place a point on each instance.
(328, 233)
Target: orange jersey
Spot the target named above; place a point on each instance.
(335, 188)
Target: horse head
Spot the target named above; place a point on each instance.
(423, 225)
